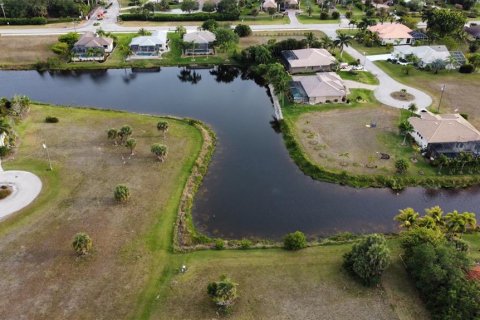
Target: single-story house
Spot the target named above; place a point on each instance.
(267, 4)
(474, 31)
(202, 42)
(152, 45)
(91, 47)
(308, 60)
(448, 134)
(395, 33)
(426, 54)
(320, 88)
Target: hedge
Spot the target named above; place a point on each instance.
(23, 21)
(198, 16)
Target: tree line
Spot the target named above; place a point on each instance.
(47, 8)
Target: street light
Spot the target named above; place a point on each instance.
(48, 156)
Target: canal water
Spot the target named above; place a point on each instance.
(253, 189)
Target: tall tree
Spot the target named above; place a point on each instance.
(343, 40)
(407, 217)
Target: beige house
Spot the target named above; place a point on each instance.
(309, 60)
(320, 88)
(395, 33)
(202, 42)
(91, 47)
(447, 134)
(267, 4)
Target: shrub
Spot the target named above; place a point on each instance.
(324, 15)
(210, 25)
(4, 151)
(208, 6)
(82, 243)
(50, 119)
(223, 293)
(198, 16)
(245, 244)
(243, 30)
(160, 151)
(335, 15)
(368, 259)
(162, 126)
(466, 68)
(401, 165)
(420, 235)
(61, 48)
(23, 21)
(5, 192)
(348, 14)
(121, 193)
(219, 244)
(295, 241)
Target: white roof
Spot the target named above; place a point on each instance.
(323, 84)
(425, 53)
(269, 4)
(311, 58)
(156, 38)
(199, 37)
(444, 128)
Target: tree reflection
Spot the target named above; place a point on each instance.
(188, 75)
(225, 73)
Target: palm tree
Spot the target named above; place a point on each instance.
(412, 108)
(426, 222)
(407, 217)
(405, 128)
(82, 243)
(443, 161)
(124, 133)
(160, 151)
(436, 213)
(327, 43)
(162, 126)
(131, 144)
(470, 220)
(5, 126)
(343, 40)
(310, 38)
(455, 222)
(352, 22)
(112, 134)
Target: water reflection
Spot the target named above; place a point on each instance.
(189, 75)
(225, 73)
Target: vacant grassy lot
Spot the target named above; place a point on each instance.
(25, 50)
(275, 284)
(359, 76)
(42, 279)
(461, 90)
(362, 48)
(338, 137)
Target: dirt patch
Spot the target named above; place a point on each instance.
(348, 138)
(21, 50)
(402, 96)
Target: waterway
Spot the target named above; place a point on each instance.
(253, 188)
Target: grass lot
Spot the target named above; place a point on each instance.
(42, 278)
(337, 138)
(361, 47)
(262, 37)
(461, 91)
(131, 273)
(359, 76)
(20, 50)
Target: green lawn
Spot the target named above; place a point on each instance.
(359, 76)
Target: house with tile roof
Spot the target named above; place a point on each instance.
(91, 47)
(426, 54)
(202, 42)
(149, 46)
(320, 88)
(447, 134)
(308, 60)
(394, 33)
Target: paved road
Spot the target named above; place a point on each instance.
(27, 187)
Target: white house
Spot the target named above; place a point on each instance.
(320, 88)
(395, 33)
(447, 134)
(149, 46)
(269, 4)
(426, 54)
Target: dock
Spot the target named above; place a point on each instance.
(276, 104)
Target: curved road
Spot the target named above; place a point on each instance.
(386, 85)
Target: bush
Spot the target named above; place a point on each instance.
(348, 14)
(245, 244)
(466, 68)
(295, 241)
(223, 294)
(368, 259)
(50, 119)
(335, 15)
(243, 30)
(219, 244)
(324, 15)
(4, 151)
(198, 16)
(208, 6)
(23, 21)
(61, 48)
(401, 165)
(210, 25)
(82, 243)
(121, 193)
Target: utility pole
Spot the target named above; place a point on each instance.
(3, 9)
(441, 96)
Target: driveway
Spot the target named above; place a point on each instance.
(26, 187)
